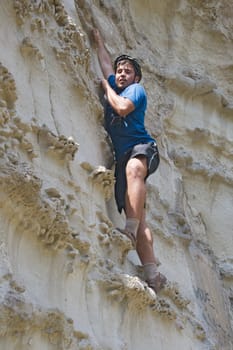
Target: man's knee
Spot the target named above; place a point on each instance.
(136, 167)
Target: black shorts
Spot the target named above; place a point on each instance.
(150, 150)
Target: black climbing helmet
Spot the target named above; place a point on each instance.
(133, 61)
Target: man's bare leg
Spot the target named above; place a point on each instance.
(144, 246)
(146, 254)
(136, 171)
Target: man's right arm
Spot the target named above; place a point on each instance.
(103, 55)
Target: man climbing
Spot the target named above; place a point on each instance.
(136, 153)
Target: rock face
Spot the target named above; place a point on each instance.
(68, 279)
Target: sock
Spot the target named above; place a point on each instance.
(131, 225)
(150, 271)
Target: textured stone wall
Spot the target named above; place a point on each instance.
(68, 278)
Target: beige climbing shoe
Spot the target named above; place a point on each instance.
(158, 282)
(130, 235)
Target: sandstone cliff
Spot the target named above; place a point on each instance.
(68, 279)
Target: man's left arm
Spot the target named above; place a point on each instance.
(122, 105)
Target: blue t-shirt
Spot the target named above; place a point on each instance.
(126, 132)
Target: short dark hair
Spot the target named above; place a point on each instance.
(133, 61)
